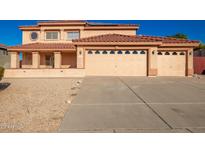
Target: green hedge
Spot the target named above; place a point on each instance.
(1, 72)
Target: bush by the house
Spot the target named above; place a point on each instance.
(1, 72)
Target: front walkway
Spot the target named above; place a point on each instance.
(137, 104)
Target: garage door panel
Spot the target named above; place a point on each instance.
(171, 65)
(116, 64)
(99, 64)
(132, 65)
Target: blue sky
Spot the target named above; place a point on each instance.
(195, 29)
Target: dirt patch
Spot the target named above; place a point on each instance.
(35, 105)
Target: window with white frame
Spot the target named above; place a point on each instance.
(51, 35)
(73, 35)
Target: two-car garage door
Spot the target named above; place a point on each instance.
(116, 63)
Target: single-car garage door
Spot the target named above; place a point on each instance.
(171, 63)
(116, 63)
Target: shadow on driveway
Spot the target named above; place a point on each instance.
(4, 85)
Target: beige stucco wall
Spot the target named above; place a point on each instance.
(32, 73)
(61, 60)
(80, 57)
(26, 38)
(118, 65)
(14, 60)
(27, 66)
(190, 70)
(152, 61)
(62, 30)
(89, 33)
(35, 59)
(37, 62)
(69, 59)
(57, 59)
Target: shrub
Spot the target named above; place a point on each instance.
(1, 72)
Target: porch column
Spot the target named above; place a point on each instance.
(80, 57)
(14, 59)
(190, 70)
(62, 36)
(35, 59)
(152, 61)
(57, 59)
(42, 35)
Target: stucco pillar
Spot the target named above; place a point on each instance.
(62, 34)
(42, 35)
(14, 59)
(190, 70)
(57, 59)
(35, 59)
(152, 61)
(80, 57)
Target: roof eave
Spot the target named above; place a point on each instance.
(60, 24)
(180, 44)
(28, 28)
(118, 43)
(21, 49)
(111, 28)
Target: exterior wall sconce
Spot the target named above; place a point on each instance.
(153, 52)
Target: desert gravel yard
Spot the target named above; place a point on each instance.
(35, 105)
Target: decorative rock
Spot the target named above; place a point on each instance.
(68, 101)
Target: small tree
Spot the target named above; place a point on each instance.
(179, 35)
(201, 46)
(1, 72)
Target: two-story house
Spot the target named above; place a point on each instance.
(64, 48)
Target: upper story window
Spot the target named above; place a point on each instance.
(34, 36)
(3, 52)
(73, 35)
(51, 35)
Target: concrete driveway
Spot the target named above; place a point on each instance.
(137, 104)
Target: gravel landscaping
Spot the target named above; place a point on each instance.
(35, 105)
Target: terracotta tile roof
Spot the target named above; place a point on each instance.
(83, 22)
(110, 24)
(29, 27)
(62, 21)
(43, 46)
(132, 38)
(169, 39)
(115, 38)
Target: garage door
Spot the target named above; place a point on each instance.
(116, 63)
(171, 63)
